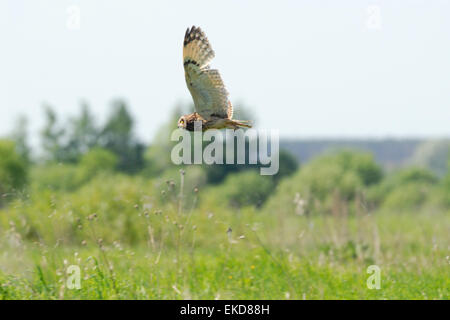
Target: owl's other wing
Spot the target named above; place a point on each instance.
(206, 86)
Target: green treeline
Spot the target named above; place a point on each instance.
(77, 150)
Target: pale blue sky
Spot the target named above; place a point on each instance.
(307, 68)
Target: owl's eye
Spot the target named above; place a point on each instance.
(182, 121)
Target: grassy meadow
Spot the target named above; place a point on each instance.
(102, 207)
(137, 238)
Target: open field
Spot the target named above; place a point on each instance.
(134, 239)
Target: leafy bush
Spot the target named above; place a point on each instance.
(68, 177)
(56, 176)
(129, 205)
(111, 198)
(13, 168)
(411, 195)
(444, 191)
(407, 188)
(157, 160)
(288, 165)
(98, 160)
(246, 188)
(326, 180)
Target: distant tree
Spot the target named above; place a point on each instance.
(157, 155)
(80, 135)
(13, 169)
(118, 137)
(217, 173)
(433, 155)
(447, 177)
(66, 143)
(446, 185)
(288, 164)
(84, 133)
(52, 137)
(362, 163)
(20, 137)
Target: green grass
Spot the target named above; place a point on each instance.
(241, 273)
(133, 242)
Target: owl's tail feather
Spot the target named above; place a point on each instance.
(241, 123)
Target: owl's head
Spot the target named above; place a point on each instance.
(182, 122)
(187, 121)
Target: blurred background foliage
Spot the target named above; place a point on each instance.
(97, 196)
(80, 154)
(13, 169)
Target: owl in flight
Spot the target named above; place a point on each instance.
(212, 106)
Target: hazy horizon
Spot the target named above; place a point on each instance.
(310, 69)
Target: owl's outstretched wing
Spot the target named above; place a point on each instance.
(206, 86)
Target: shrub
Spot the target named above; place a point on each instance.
(50, 215)
(98, 160)
(56, 176)
(68, 177)
(288, 165)
(247, 188)
(407, 188)
(444, 191)
(411, 195)
(13, 168)
(324, 181)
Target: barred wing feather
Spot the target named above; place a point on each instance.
(206, 86)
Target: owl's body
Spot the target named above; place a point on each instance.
(188, 122)
(206, 86)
